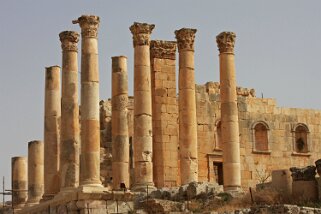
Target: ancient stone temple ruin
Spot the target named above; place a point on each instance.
(101, 156)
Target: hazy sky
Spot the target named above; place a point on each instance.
(277, 51)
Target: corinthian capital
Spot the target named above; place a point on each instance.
(69, 40)
(163, 49)
(185, 39)
(225, 42)
(89, 25)
(141, 33)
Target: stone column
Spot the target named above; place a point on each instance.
(35, 172)
(187, 106)
(143, 142)
(90, 127)
(52, 131)
(69, 145)
(19, 183)
(165, 113)
(120, 147)
(229, 112)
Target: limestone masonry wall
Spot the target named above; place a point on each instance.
(256, 164)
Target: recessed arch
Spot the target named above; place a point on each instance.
(260, 134)
(300, 132)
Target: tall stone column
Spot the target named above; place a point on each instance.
(90, 127)
(69, 145)
(143, 142)
(19, 183)
(35, 172)
(165, 113)
(120, 148)
(52, 131)
(229, 112)
(187, 106)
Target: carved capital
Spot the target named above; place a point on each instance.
(303, 174)
(163, 49)
(89, 25)
(225, 42)
(185, 39)
(69, 40)
(141, 33)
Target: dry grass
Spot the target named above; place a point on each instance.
(264, 196)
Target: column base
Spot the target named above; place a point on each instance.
(235, 191)
(19, 206)
(47, 197)
(92, 188)
(32, 203)
(70, 192)
(146, 187)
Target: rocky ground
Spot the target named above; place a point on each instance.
(210, 198)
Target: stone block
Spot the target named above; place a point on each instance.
(282, 182)
(318, 179)
(172, 109)
(305, 190)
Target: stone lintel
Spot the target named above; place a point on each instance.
(69, 40)
(163, 49)
(225, 42)
(185, 39)
(89, 25)
(141, 33)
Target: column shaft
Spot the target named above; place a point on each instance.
(143, 144)
(90, 127)
(19, 183)
(69, 154)
(187, 106)
(35, 171)
(229, 112)
(52, 131)
(120, 143)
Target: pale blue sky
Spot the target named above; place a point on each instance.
(277, 50)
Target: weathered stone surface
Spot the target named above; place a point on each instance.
(90, 125)
(229, 112)
(142, 140)
(282, 208)
(282, 182)
(70, 130)
(202, 190)
(52, 129)
(305, 190)
(254, 109)
(163, 49)
(120, 146)
(165, 116)
(141, 33)
(35, 172)
(318, 179)
(187, 106)
(162, 206)
(303, 174)
(19, 183)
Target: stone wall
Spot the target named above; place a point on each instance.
(165, 126)
(280, 122)
(256, 164)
